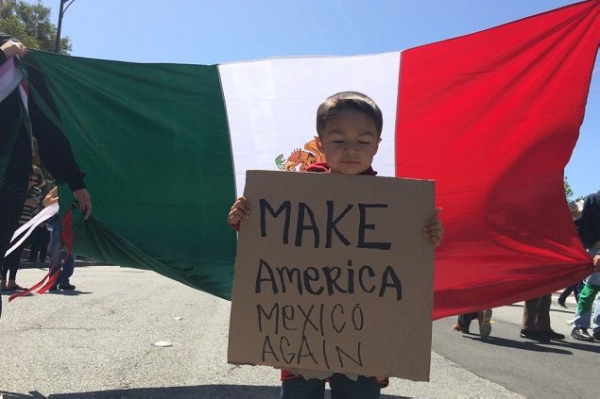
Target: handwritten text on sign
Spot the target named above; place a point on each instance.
(321, 275)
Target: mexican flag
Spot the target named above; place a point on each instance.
(492, 117)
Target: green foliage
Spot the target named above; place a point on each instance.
(568, 190)
(31, 24)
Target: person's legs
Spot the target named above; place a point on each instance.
(34, 240)
(582, 319)
(10, 268)
(565, 294)
(299, 388)
(463, 322)
(530, 327)
(596, 319)
(66, 272)
(485, 325)
(44, 241)
(343, 387)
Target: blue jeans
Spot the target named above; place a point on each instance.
(341, 386)
(57, 255)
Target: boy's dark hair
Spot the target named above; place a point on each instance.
(348, 101)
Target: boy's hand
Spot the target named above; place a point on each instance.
(433, 229)
(240, 210)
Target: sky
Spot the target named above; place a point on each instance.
(221, 31)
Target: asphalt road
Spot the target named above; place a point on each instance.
(126, 333)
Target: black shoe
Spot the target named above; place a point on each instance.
(53, 288)
(66, 287)
(535, 335)
(596, 335)
(553, 335)
(582, 334)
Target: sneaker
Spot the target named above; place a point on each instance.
(485, 325)
(66, 287)
(596, 335)
(581, 334)
(535, 335)
(553, 335)
(53, 288)
(458, 328)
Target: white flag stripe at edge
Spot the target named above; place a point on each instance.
(38, 219)
(271, 104)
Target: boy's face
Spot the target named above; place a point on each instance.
(349, 142)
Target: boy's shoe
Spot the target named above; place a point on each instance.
(485, 326)
(535, 335)
(582, 334)
(553, 335)
(66, 287)
(458, 328)
(53, 288)
(596, 335)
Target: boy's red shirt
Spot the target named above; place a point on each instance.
(322, 167)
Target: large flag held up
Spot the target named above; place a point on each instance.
(492, 117)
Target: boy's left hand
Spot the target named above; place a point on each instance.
(433, 228)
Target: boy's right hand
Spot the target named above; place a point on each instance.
(240, 210)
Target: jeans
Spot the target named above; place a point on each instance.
(58, 255)
(341, 386)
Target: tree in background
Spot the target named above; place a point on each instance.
(569, 191)
(31, 24)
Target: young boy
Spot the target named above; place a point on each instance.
(349, 126)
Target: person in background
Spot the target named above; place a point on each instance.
(484, 318)
(57, 253)
(40, 237)
(18, 126)
(536, 320)
(11, 263)
(575, 214)
(588, 227)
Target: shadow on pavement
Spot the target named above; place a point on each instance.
(560, 347)
(201, 391)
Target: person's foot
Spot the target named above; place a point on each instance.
(66, 287)
(562, 303)
(458, 328)
(554, 336)
(596, 335)
(485, 326)
(15, 287)
(535, 335)
(582, 334)
(53, 288)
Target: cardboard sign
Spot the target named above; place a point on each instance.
(333, 274)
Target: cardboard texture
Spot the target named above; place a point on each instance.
(333, 274)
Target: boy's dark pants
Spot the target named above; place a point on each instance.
(341, 386)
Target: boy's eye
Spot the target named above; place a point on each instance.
(364, 142)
